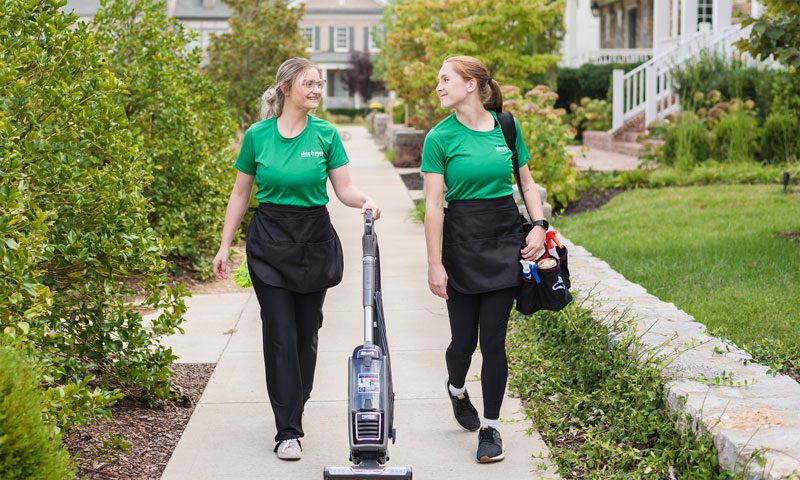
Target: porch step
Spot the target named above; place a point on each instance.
(629, 136)
(628, 148)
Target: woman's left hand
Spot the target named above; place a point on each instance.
(534, 244)
(369, 204)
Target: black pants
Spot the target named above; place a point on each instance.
(289, 324)
(486, 313)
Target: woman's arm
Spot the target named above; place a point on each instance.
(434, 221)
(535, 239)
(237, 205)
(349, 194)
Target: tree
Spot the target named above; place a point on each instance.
(263, 33)
(74, 233)
(514, 38)
(180, 119)
(358, 76)
(777, 33)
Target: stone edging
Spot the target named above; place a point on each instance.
(753, 417)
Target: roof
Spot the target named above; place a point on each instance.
(183, 9)
(194, 9)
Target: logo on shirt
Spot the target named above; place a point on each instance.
(311, 154)
(504, 148)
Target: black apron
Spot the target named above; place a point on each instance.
(295, 248)
(481, 243)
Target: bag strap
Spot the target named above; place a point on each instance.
(506, 120)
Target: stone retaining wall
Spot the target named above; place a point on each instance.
(748, 422)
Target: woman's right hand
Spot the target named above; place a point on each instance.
(437, 280)
(220, 264)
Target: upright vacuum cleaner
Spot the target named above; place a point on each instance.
(370, 395)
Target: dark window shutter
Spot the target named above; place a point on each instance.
(330, 30)
(366, 39)
(352, 42)
(316, 38)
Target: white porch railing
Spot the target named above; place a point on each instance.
(648, 88)
(611, 55)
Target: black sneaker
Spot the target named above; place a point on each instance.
(463, 410)
(490, 446)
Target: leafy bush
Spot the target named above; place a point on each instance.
(780, 141)
(736, 137)
(29, 448)
(588, 80)
(732, 78)
(600, 404)
(686, 144)
(180, 120)
(590, 115)
(75, 241)
(546, 137)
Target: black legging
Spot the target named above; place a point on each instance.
(490, 311)
(289, 324)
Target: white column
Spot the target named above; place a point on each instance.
(568, 45)
(688, 18)
(675, 17)
(721, 12)
(650, 95)
(618, 99)
(660, 24)
(325, 90)
(756, 9)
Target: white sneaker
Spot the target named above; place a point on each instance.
(289, 449)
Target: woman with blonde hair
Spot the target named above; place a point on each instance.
(480, 232)
(293, 251)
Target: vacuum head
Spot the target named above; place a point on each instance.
(366, 472)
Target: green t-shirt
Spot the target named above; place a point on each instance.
(291, 171)
(475, 164)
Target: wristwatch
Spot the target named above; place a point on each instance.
(542, 223)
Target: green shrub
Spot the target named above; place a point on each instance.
(588, 80)
(399, 114)
(29, 448)
(591, 114)
(181, 121)
(687, 143)
(75, 241)
(546, 136)
(736, 137)
(348, 112)
(599, 404)
(780, 141)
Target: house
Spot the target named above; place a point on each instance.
(659, 35)
(633, 31)
(333, 28)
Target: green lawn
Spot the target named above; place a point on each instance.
(717, 252)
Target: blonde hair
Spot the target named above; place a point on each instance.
(488, 89)
(273, 97)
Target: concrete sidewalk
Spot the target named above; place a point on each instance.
(230, 435)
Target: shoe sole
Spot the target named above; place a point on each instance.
(492, 459)
(291, 459)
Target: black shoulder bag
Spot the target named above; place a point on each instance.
(549, 287)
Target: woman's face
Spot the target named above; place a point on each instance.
(306, 90)
(452, 87)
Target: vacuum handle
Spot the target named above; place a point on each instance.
(369, 242)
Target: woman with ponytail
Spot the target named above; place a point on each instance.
(477, 270)
(293, 252)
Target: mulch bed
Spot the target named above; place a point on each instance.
(413, 181)
(591, 201)
(792, 236)
(152, 433)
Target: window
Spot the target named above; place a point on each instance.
(704, 12)
(341, 39)
(377, 31)
(309, 33)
